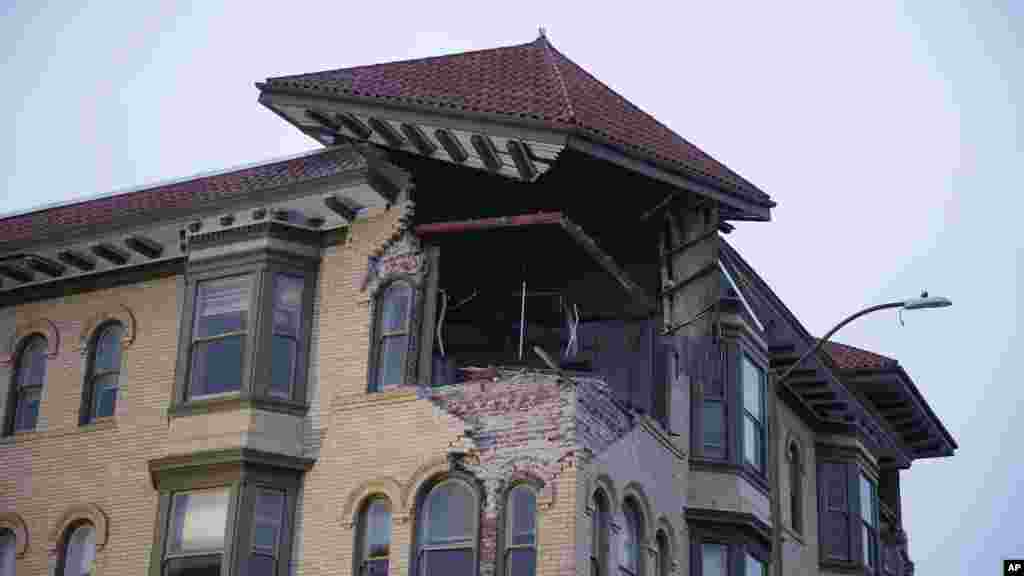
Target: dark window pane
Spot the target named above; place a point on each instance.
(32, 364)
(222, 306)
(194, 566)
(108, 349)
(713, 424)
(7, 551)
(217, 365)
(395, 308)
(268, 513)
(448, 562)
(753, 389)
(375, 568)
(522, 562)
(754, 567)
(105, 395)
(377, 526)
(392, 361)
(630, 538)
(282, 365)
(449, 514)
(27, 410)
(260, 565)
(287, 305)
(867, 501)
(80, 551)
(522, 515)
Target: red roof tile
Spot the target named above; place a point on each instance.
(171, 200)
(848, 357)
(532, 82)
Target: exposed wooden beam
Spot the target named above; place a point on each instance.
(419, 139)
(451, 145)
(110, 253)
(516, 149)
(145, 246)
(47, 266)
(79, 260)
(485, 149)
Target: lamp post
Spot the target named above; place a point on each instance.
(923, 302)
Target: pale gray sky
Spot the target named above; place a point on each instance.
(890, 136)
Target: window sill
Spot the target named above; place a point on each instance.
(236, 401)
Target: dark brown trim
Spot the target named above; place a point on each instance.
(741, 522)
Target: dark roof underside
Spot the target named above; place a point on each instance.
(530, 84)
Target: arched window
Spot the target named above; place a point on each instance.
(79, 550)
(103, 373)
(632, 536)
(521, 531)
(373, 539)
(795, 490)
(664, 567)
(8, 549)
(599, 535)
(448, 530)
(27, 385)
(391, 329)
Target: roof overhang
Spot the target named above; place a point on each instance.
(521, 148)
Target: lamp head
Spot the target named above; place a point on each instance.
(926, 301)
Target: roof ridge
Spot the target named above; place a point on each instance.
(547, 48)
(405, 61)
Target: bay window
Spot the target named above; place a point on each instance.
(753, 380)
(849, 525)
(219, 335)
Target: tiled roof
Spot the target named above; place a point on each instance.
(851, 358)
(175, 199)
(531, 82)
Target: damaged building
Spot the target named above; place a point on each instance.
(492, 326)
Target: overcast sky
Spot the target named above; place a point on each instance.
(890, 136)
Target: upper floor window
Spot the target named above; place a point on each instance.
(196, 540)
(755, 566)
(287, 315)
(448, 527)
(219, 335)
(103, 373)
(869, 521)
(27, 385)
(374, 538)
(632, 536)
(599, 534)
(79, 550)
(796, 493)
(8, 550)
(521, 531)
(730, 555)
(391, 336)
(713, 431)
(753, 379)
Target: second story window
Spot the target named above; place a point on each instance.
(753, 414)
(448, 531)
(391, 340)
(219, 335)
(103, 373)
(27, 385)
(521, 532)
(374, 538)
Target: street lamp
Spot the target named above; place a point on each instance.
(920, 303)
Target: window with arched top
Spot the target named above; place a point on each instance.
(599, 534)
(521, 531)
(8, 550)
(795, 489)
(630, 561)
(391, 336)
(448, 527)
(373, 537)
(26, 390)
(78, 550)
(664, 564)
(102, 373)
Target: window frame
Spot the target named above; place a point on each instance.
(378, 336)
(362, 556)
(88, 412)
(244, 473)
(421, 526)
(505, 545)
(261, 267)
(15, 389)
(65, 544)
